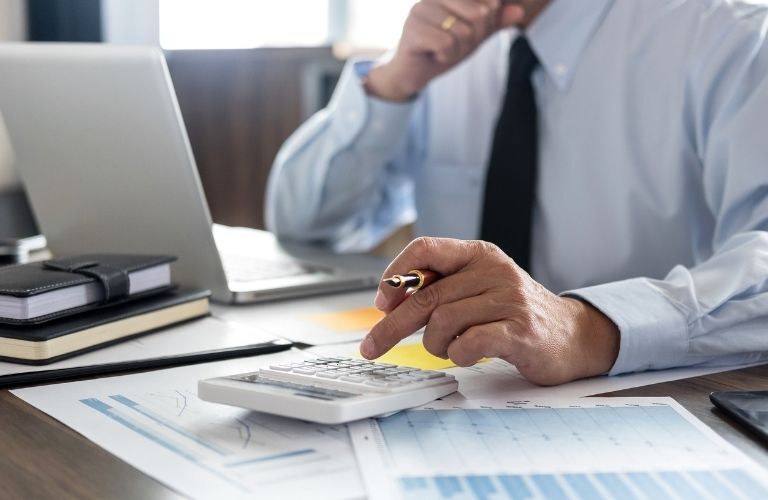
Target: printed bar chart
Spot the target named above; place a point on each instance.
(733, 483)
(640, 449)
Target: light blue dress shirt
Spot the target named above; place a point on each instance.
(652, 200)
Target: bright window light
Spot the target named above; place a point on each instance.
(239, 24)
(377, 24)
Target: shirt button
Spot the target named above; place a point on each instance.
(560, 69)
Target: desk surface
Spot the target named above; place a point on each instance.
(42, 458)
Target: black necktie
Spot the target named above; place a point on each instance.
(510, 184)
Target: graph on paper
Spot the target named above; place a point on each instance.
(615, 448)
(246, 451)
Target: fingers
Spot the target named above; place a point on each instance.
(414, 313)
(469, 23)
(427, 38)
(491, 340)
(478, 19)
(448, 321)
(510, 15)
(443, 255)
(487, 16)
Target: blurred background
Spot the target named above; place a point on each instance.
(246, 72)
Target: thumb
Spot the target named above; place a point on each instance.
(510, 15)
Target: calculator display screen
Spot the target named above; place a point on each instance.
(283, 387)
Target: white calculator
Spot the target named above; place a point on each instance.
(329, 390)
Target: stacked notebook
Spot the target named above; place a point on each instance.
(58, 308)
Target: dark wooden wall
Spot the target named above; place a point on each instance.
(239, 106)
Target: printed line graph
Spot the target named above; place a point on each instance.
(249, 451)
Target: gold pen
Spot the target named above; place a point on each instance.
(414, 279)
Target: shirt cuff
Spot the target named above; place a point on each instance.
(654, 332)
(366, 122)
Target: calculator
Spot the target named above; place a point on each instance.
(329, 390)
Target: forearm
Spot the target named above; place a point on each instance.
(330, 173)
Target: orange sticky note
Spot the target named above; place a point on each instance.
(351, 320)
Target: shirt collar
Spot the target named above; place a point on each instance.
(561, 32)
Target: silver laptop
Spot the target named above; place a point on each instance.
(102, 150)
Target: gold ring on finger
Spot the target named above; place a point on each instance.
(448, 23)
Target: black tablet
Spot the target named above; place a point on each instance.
(749, 408)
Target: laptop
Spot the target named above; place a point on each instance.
(101, 147)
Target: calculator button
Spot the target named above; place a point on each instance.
(430, 374)
(378, 383)
(352, 378)
(304, 371)
(281, 368)
(329, 374)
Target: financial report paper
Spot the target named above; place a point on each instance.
(155, 422)
(586, 448)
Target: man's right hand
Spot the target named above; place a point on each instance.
(438, 35)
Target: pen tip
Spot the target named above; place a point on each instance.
(392, 282)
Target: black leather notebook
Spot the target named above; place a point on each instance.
(65, 337)
(43, 291)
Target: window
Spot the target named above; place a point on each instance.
(237, 24)
(376, 24)
(218, 24)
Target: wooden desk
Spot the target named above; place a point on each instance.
(42, 458)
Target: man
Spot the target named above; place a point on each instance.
(616, 150)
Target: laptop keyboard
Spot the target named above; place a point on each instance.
(245, 268)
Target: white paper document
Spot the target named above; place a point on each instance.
(155, 422)
(498, 379)
(292, 320)
(587, 448)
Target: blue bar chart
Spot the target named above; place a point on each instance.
(526, 450)
(733, 483)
